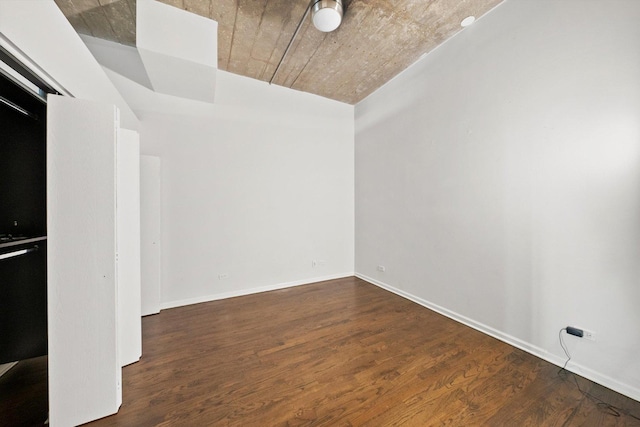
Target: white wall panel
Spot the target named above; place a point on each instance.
(150, 211)
(84, 362)
(254, 189)
(497, 178)
(128, 225)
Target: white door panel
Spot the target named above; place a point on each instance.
(150, 204)
(128, 225)
(84, 365)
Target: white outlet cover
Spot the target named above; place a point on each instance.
(588, 335)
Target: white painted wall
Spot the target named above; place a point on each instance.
(497, 181)
(255, 187)
(128, 246)
(150, 233)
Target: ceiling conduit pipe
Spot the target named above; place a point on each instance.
(326, 17)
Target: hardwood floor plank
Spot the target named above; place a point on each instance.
(342, 353)
(23, 393)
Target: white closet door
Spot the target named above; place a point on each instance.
(150, 204)
(85, 374)
(128, 225)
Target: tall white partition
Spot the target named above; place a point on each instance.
(128, 243)
(150, 204)
(85, 374)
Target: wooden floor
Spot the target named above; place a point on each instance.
(343, 353)
(23, 394)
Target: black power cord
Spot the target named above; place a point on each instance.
(607, 407)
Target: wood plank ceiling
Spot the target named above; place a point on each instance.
(376, 41)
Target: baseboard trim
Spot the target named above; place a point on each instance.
(243, 292)
(626, 389)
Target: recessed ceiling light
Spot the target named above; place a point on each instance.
(468, 21)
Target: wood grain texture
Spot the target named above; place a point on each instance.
(345, 353)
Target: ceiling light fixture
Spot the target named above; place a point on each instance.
(327, 15)
(468, 21)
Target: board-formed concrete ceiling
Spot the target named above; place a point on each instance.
(376, 41)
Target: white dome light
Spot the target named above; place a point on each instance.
(327, 15)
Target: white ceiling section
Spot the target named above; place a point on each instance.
(24, 24)
(124, 60)
(179, 50)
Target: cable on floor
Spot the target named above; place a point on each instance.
(607, 407)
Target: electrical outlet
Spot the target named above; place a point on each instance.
(581, 333)
(314, 263)
(223, 276)
(588, 335)
(322, 262)
(382, 268)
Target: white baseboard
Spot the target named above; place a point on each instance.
(242, 292)
(626, 389)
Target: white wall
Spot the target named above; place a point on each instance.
(497, 180)
(128, 246)
(255, 186)
(85, 374)
(150, 233)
